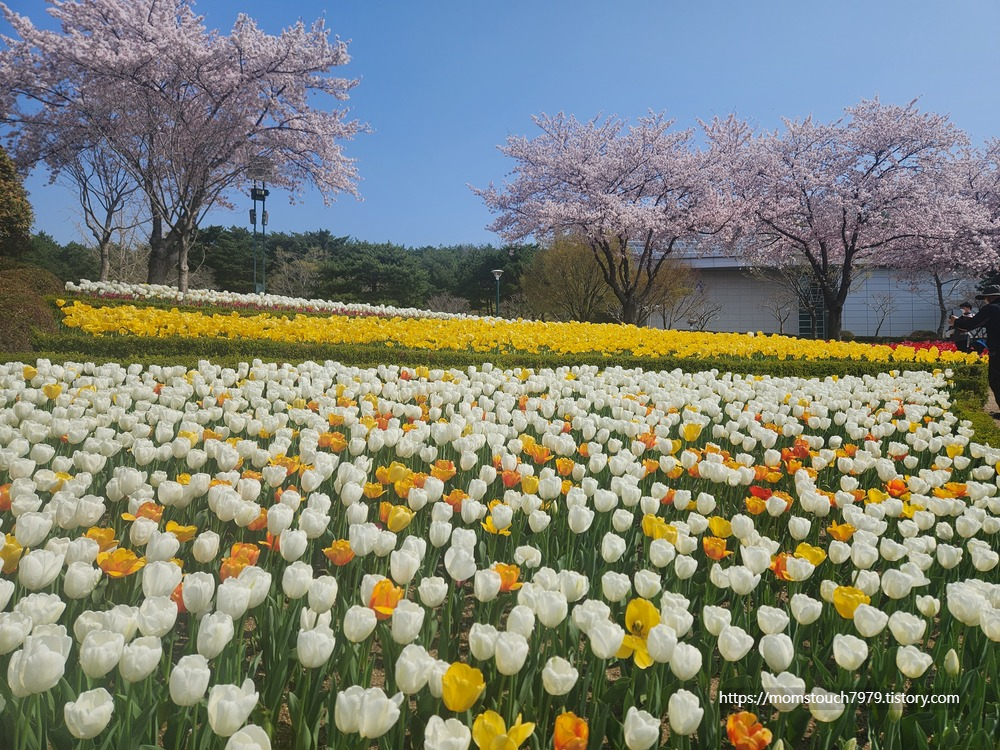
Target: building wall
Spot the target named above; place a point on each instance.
(746, 303)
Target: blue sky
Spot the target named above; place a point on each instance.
(444, 82)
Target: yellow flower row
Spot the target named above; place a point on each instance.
(483, 335)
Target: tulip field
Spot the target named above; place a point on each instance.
(314, 555)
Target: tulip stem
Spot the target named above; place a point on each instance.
(40, 722)
(194, 726)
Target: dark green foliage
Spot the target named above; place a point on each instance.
(70, 262)
(15, 211)
(23, 306)
(383, 274)
(229, 253)
(374, 273)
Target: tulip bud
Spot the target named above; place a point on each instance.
(952, 666)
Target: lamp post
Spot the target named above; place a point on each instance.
(497, 273)
(259, 170)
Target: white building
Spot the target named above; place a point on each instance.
(730, 298)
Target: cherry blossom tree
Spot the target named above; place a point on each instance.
(969, 189)
(632, 193)
(873, 188)
(184, 109)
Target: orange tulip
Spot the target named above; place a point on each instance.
(120, 563)
(539, 453)
(897, 488)
(149, 510)
(779, 565)
(455, 498)
(4, 497)
(335, 441)
(245, 551)
(746, 733)
(259, 523)
(443, 469)
(385, 597)
(564, 466)
(105, 537)
(340, 552)
(571, 732)
(177, 597)
(241, 555)
(508, 576)
(510, 479)
(715, 547)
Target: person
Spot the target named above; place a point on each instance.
(988, 317)
(962, 339)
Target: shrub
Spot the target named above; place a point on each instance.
(924, 336)
(23, 305)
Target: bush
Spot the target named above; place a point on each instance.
(23, 306)
(924, 336)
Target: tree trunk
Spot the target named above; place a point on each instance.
(631, 311)
(159, 260)
(942, 310)
(105, 250)
(183, 247)
(834, 321)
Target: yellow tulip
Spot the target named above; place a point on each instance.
(815, 555)
(720, 527)
(490, 732)
(641, 616)
(399, 518)
(461, 687)
(847, 598)
(656, 528)
(840, 531)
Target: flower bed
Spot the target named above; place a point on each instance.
(435, 558)
(484, 335)
(119, 290)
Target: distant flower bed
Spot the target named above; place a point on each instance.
(485, 335)
(277, 302)
(943, 346)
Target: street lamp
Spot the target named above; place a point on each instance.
(497, 273)
(259, 170)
